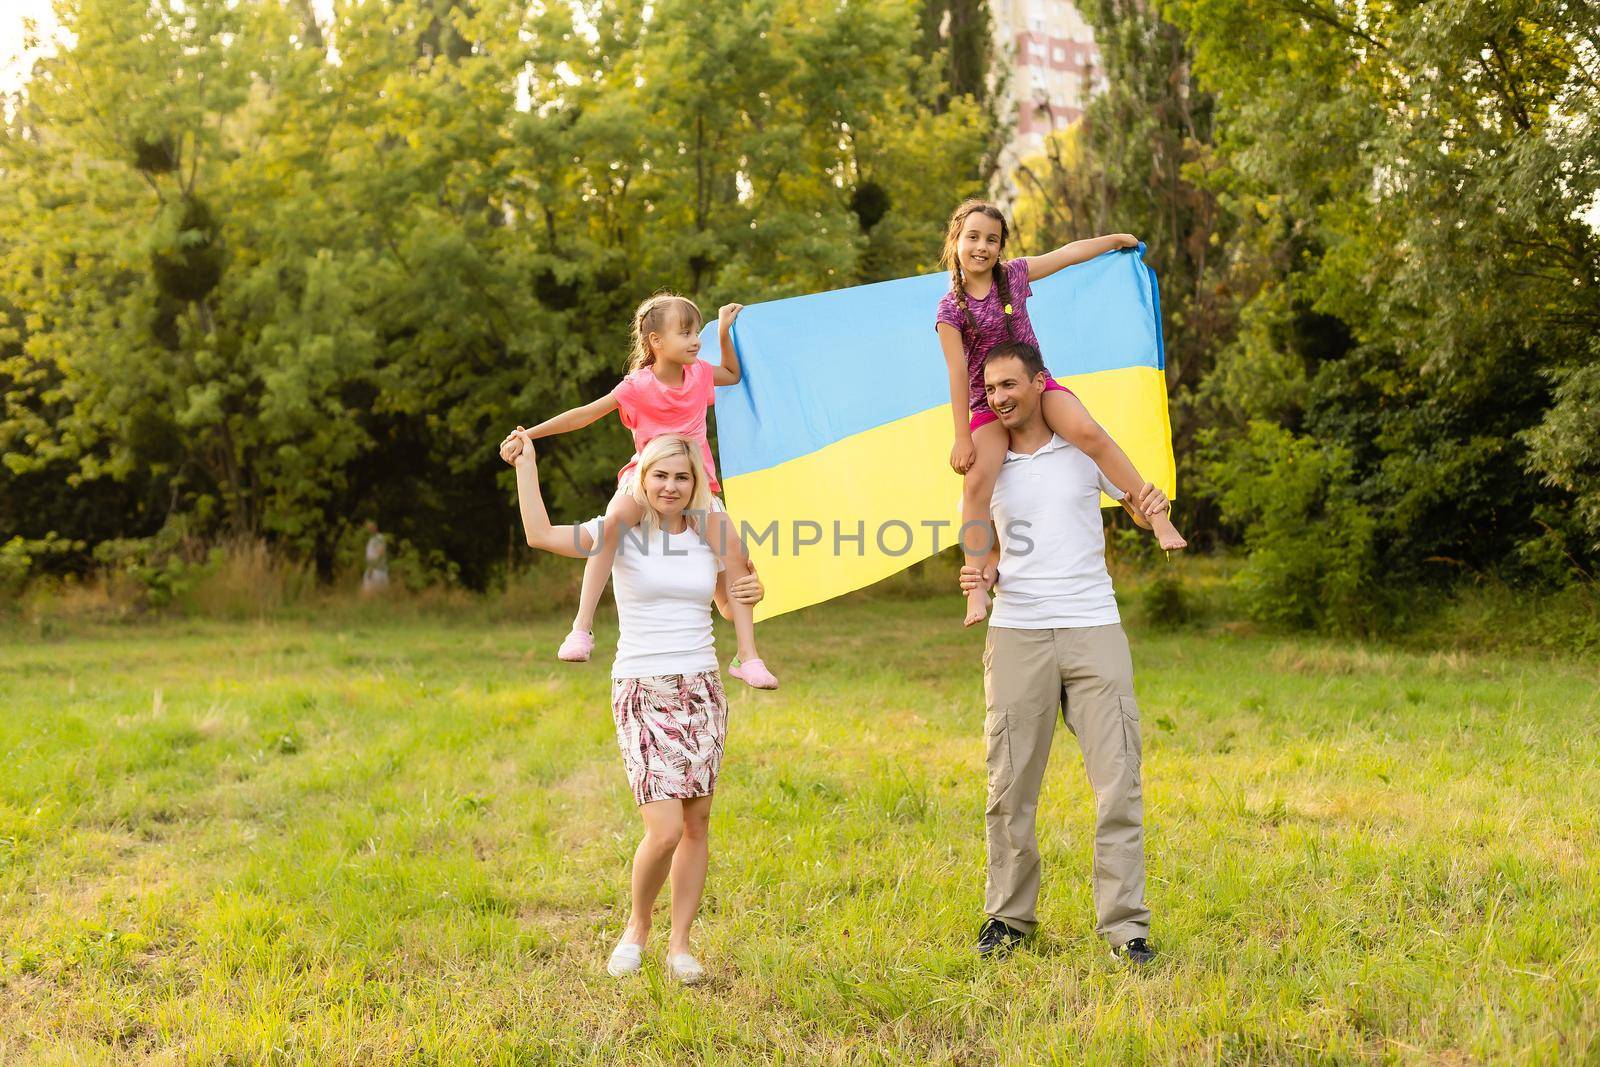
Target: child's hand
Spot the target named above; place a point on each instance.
(726, 314)
(1124, 240)
(963, 455)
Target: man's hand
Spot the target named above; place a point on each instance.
(726, 314)
(1140, 519)
(1151, 501)
(977, 578)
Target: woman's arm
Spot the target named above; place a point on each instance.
(1077, 252)
(728, 373)
(962, 455)
(562, 540)
(575, 418)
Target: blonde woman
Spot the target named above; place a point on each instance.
(666, 692)
(666, 392)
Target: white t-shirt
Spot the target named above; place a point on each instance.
(1052, 544)
(663, 585)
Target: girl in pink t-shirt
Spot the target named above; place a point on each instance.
(666, 391)
(987, 305)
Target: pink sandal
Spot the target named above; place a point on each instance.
(577, 646)
(753, 673)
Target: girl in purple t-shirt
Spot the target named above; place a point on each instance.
(987, 304)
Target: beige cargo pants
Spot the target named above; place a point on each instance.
(1085, 673)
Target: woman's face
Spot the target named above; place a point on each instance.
(978, 247)
(669, 485)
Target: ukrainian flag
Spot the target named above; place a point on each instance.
(835, 445)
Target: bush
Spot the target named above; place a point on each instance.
(22, 559)
(1164, 601)
(1311, 558)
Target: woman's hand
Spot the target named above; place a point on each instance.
(963, 455)
(517, 446)
(726, 314)
(511, 447)
(748, 590)
(518, 450)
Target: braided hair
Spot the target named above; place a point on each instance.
(654, 316)
(951, 258)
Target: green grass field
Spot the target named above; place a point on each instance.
(364, 842)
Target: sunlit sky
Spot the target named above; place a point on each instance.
(13, 63)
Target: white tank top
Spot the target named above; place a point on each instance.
(663, 585)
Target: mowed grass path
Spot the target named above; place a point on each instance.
(344, 842)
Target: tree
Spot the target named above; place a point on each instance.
(271, 278)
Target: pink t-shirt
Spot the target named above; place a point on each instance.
(650, 409)
(987, 325)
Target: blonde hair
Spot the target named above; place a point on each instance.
(665, 447)
(653, 316)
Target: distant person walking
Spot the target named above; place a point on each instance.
(376, 578)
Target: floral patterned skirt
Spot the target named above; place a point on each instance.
(670, 729)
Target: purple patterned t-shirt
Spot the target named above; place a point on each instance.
(990, 330)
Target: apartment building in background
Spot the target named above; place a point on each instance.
(1048, 52)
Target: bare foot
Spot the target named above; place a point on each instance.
(1167, 535)
(977, 607)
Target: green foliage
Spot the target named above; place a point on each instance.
(23, 558)
(1374, 229)
(1164, 600)
(265, 277)
(1428, 281)
(156, 567)
(1312, 557)
(1565, 446)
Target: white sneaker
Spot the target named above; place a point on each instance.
(684, 968)
(626, 959)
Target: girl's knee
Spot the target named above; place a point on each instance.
(978, 486)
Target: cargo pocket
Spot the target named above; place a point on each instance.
(1132, 748)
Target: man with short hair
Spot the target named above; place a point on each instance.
(1056, 645)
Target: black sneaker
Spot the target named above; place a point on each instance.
(997, 939)
(1135, 950)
